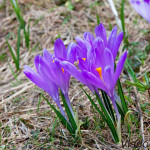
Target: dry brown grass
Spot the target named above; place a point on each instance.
(22, 126)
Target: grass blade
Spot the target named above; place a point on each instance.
(108, 105)
(146, 77)
(105, 116)
(61, 117)
(120, 91)
(13, 55)
(18, 44)
(39, 102)
(122, 16)
(98, 20)
(121, 111)
(26, 35)
(70, 116)
(110, 122)
(130, 70)
(17, 11)
(92, 102)
(139, 85)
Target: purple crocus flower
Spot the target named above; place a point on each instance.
(50, 75)
(142, 7)
(43, 81)
(96, 57)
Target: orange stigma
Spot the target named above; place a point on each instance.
(62, 70)
(99, 70)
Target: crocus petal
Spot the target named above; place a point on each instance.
(99, 45)
(142, 7)
(108, 79)
(99, 50)
(147, 1)
(90, 53)
(117, 44)
(51, 71)
(45, 66)
(108, 60)
(101, 32)
(60, 77)
(59, 49)
(35, 78)
(112, 39)
(82, 53)
(88, 37)
(47, 56)
(70, 68)
(94, 80)
(52, 87)
(37, 62)
(72, 52)
(120, 66)
(82, 64)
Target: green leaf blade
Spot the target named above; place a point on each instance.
(60, 116)
(70, 116)
(13, 55)
(120, 91)
(108, 105)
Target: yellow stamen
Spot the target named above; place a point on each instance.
(62, 70)
(84, 59)
(53, 61)
(99, 70)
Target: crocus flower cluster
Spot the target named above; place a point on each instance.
(142, 7)
(50, 75)
(96, 61)
(95, 57)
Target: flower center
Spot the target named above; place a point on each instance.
(99, 70)
(84, 59)
(62, 70)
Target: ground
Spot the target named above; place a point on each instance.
(26, 121)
